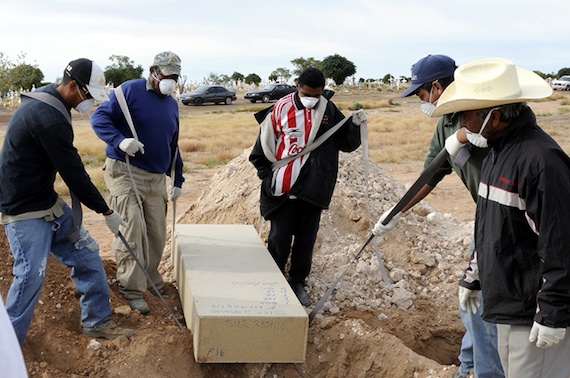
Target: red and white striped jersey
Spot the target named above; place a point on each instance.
(292, 128)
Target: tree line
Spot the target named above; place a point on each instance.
(22, 75)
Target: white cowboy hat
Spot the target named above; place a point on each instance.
(490, 82)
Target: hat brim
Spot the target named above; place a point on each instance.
(532, 86)
(98, 93)
(168, 71)
(411, 90)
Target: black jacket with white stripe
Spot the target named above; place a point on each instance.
(522, 227)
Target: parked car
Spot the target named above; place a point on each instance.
(562, 84)
(209, 93)
(270, 92)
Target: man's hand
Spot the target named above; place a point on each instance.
(175, 193)
(453, 145)
(380, 228)
(131, 146)
(359, 117)
(113, 221)
(544, 336)
(469, 299)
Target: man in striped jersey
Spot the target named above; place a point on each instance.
(294, 194)
(522, 260)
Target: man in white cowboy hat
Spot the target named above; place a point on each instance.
(521, 263)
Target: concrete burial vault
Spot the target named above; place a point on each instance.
(236, 301)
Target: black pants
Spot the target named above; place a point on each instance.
(294, 228)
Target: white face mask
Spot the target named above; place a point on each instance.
(166, 86)
(477, 139)
(427, 107)
(85, 105)
(308, 102)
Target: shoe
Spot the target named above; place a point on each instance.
(299, 290)
(161, 291)
(110, 331)
(139, 304)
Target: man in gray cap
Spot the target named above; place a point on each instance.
(139, 157)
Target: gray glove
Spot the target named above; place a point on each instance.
(113, 221)
(131, 146)
(359, 117)
(544, 336)
(469, 299)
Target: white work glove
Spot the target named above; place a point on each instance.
(380, 228)
(359, 117)
(131, 146)
(544, 336)
(469, 299)
(452, 145)
(113, 221)
(175, 193)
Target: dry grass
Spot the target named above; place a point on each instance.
(396, 134)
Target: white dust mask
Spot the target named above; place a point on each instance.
(477, 139)
(167, 86)
(427, 107)
(85, 105)
(309, 102)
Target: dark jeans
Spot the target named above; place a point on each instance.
(294, 228)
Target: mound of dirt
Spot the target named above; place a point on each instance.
(391, 317)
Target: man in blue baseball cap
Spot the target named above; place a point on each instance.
(430, 76)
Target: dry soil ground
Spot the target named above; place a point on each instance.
(368, 329)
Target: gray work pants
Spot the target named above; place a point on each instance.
(146, 231)
(522, 359)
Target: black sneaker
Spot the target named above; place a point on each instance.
(299, 290)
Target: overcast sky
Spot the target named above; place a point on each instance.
(258, 36)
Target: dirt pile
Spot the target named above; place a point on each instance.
(397, 319)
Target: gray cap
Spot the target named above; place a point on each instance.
(168, 63)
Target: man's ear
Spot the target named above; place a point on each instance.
(495, 118)
(437, 87)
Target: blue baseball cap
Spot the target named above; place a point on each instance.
(428, 69)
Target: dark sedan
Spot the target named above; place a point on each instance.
(210, 93)
(270, 92)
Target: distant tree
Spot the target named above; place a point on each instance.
(5, 66)
(212, 79)
(25, 76)
(563, 71)
(541, 74)
(280, 74)
(338, 68)
(121, 70)
(236, 76)
(252, 79)
(302, 64)
(386, 78)
(224, 79)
